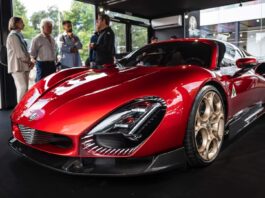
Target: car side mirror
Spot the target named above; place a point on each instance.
(243, 63)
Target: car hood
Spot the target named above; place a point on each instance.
(71, 107)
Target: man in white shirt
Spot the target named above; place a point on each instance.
(43, 50)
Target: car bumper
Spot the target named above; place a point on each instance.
(103, 166)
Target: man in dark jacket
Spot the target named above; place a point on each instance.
(105, 49)
(92, 52)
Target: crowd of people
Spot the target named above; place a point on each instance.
(43, 52)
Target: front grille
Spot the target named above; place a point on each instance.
(33, 136)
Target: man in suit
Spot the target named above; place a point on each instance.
(105, 46)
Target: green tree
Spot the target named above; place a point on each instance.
(81, 14)
(139, 37)
(20, 10)
(36, 17)
(119, 30)
(52, 13)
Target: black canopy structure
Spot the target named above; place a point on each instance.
(151, 9)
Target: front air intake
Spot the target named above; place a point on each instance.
(36, 137)
(32, 136)
(90, 145)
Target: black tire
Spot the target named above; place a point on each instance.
(192, 153)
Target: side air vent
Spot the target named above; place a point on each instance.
(89, 145)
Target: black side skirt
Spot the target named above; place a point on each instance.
(244, 118)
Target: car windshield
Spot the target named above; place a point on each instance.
(170, 54)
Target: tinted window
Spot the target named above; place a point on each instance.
(230, 57)
(171, 54)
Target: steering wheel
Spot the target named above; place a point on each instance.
(195, 61)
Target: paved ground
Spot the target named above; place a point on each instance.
(238, 172)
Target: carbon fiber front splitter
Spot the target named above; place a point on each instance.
(103, 166)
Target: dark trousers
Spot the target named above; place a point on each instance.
(44, 68)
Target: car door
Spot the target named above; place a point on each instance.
(244, 91)
(260, 72)
(243, 87)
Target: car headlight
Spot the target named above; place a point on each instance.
(125, 128)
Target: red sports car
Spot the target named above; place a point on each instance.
(165, 105)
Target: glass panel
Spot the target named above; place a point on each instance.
(81, 15)
(252, 37)
(119, 30)
(139, 37)
(225, 32)
(240, 24)
(235, 12)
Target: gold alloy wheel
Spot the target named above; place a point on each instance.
(209, 126)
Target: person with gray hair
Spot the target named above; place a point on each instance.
(19, 63)
(43, 50)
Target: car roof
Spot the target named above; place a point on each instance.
(217, 41)
(194, 39)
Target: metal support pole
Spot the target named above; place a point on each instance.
(237, 33)
(7, 87)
